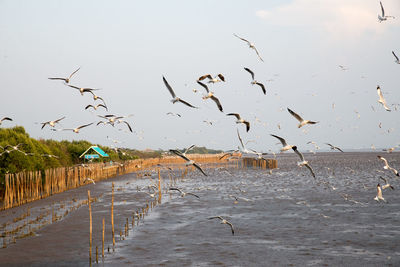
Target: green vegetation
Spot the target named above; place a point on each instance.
(33, 156)
(202, 150)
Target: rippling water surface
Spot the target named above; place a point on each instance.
(281, 218)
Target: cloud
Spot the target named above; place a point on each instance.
(334, 18)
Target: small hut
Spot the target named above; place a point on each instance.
(99, 153)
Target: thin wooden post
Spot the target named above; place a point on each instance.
(90, 229)
(102, 242)
(112, 215)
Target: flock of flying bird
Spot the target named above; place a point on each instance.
(115, 119)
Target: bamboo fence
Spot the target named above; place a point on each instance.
(24, 187)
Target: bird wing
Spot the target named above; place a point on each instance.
(205, 76)
(234, 114)
(247, 125)
(339, 149)
(73, 86)
(298, 153)
(384, 160)
(233, 230)
(169, 87)
(311, 170)
(89, 106)
(80, 127)
(383, 179)
(187, 149)
(104, 106)
(241, 38)
(74, 73)
(178, 153)
(199, 168)
(240, 139)
(186, 103)
(44, 124)
(204, 86)
(59, 120)
(283, 141)
(216, 100)
(130, 129)
(395, 56)
(65, 80)
(262, 87)
(216, 217)
(6, 119)
(255, 49)
(383, 10)
(177, 189)
(294, 114)
(221, 77)
(192, 195)
(251, 73)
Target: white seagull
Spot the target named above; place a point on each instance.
(240, 120)
(89, 180)
(66, 80)
(188, 161)
(383, 16)
(334, 147)
(174, 97)
(183, 193)
(211, 95)
(303, 162)
(251, 45)
(300, 119)
(96, 106)
(75, 130)
(51, 123)
(285, 147)
(255, 82)
(82, 90)
(387, 167)
(379, 196)
(381, 99)
(211, 79)
(223, 221)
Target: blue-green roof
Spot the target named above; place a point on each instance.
(97, 149)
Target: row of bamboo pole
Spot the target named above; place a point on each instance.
(24, 187)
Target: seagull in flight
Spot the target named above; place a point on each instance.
(397, 59)
(211, 79)
(5, 119)
(96, 106)
(251, 45)
(188, 161)
(285, 147)
(211, 95)
(300, 119)
(75, 130)
(174, 114)
(255, 82)
(183, 193)
(387, 167)
(303, 162)
(223, 221)
(244, 149)
(51, 123)
(240, 120)
(381, 99)
(174, 97)
(81, 89)
(382, 17)
(95, 97)
(379, 196)
(334, 147)
(66, 80)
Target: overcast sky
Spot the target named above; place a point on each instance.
(125, 47)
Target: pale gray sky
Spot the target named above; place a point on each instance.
(124, 48)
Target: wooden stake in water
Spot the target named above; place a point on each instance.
(97, 255)
(159, 186)
(112, 215)
(102, 243)
(90, 229)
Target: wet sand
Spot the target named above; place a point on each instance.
(286, 218)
